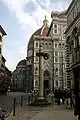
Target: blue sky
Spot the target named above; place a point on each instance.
(20, 19)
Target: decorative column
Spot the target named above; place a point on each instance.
(41, 101)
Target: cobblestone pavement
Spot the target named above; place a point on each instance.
(24, 113)
(48, 113)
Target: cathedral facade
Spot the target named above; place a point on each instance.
(57, 30)
(52, 41)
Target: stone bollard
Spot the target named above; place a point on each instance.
(28, 100)
(21, 100)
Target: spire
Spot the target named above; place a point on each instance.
(45, 22)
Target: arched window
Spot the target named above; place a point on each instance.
(46, 73)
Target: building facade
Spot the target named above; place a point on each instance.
(18, 82)
(52, 40)
(37, 39)
(73, 44)
(57, 29)
(5, 73)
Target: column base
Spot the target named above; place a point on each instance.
(41, 102)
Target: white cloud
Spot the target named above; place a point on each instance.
(29, 23)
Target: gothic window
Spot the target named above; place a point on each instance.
(36, 44)
(56, 70)
(46, 73)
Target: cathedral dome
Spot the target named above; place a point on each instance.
(43, 31)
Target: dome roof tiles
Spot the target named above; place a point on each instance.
(40, 32)
(43, 31)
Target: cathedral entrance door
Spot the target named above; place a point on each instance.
(46, 79)
(46, 84)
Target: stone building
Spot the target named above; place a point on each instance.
(5, 73)
(73, 44)
(19, 77)
(57, 29)
(52, 40)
